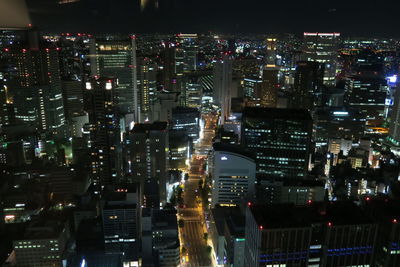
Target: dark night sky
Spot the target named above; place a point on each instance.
(351, 17)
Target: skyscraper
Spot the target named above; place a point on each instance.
(147, 86)
(148, 157)
(268, 93)
(307, 84)
(280, 139)
(222, 85)
(101, 103)
(322, 48)
(115, 56)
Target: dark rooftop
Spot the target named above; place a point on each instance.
(290, 216)
(279, 113)
(155, 126)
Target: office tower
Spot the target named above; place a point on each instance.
(268, 93)
(7, 114)
(298, 192)
(43, 243)
(337, 123)
(367, 93)
(179, 150)
(394, 130)
(163, 106)
(271, 51)
(101, 103)
(222, 85)
(147, 86)
(115, 56)
(121, 221)
(148, 156)
(308, 83)
(165, 241)
(233, 175)
(188, 42)
(388, 239)
(322, 48)
(36, 89)
(187, 119)
(72, 92)
(193, 90)
(226, 231)
(280, 139)
(337, 234)
(251, 86)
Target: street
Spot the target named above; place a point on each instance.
(192, 234)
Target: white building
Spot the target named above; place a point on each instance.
(233, 175)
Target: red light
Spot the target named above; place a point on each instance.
(47, 50)
(249, 203)
(68, 34)
(133, 37)
(394, 221)
(367, 199)
(30, 25)
(24, 50)
(261, 227)
(329, 224)
(309, 201)
(58, 49)
(6, 49)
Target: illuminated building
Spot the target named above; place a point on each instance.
(394, 131)
(307, 84)
(251, 87)
(280, 139)
(147, 87)
(115, 56)
(37, 92)
(148, 156)
(367, 94)
(189, 44)
(316, 234)
(322, 48)
(298, 192)
(233, 175)
(268, 93)
(43, 244)
(179, 149)
(187, 119)
(222, 86)
(101, 105)
(121, 221)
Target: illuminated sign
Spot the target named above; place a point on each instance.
(341, 113)
(224, 158)
(392, 79)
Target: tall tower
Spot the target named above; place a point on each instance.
(101, 103)
(147, 86)
(115, 56)
(322, 48)
(222, 85)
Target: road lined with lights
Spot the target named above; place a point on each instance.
(192, 233)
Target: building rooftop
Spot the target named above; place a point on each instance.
(145, 127)
(236, 149)
(272, 113)
(290, 216)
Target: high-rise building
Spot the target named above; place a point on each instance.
(187, 119)
(336, 234)
(308, 83)
(222, 85)
(368, 94)
(101, 105)
(36, 90)
(115, 56)
(189, 44)
(280, 139)
(72, 92)
(148, 157)
(233, 175)
(322, 48)
(147, 86)
(268, 93)
(394, 131)
(121, 221)
(43, 244)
